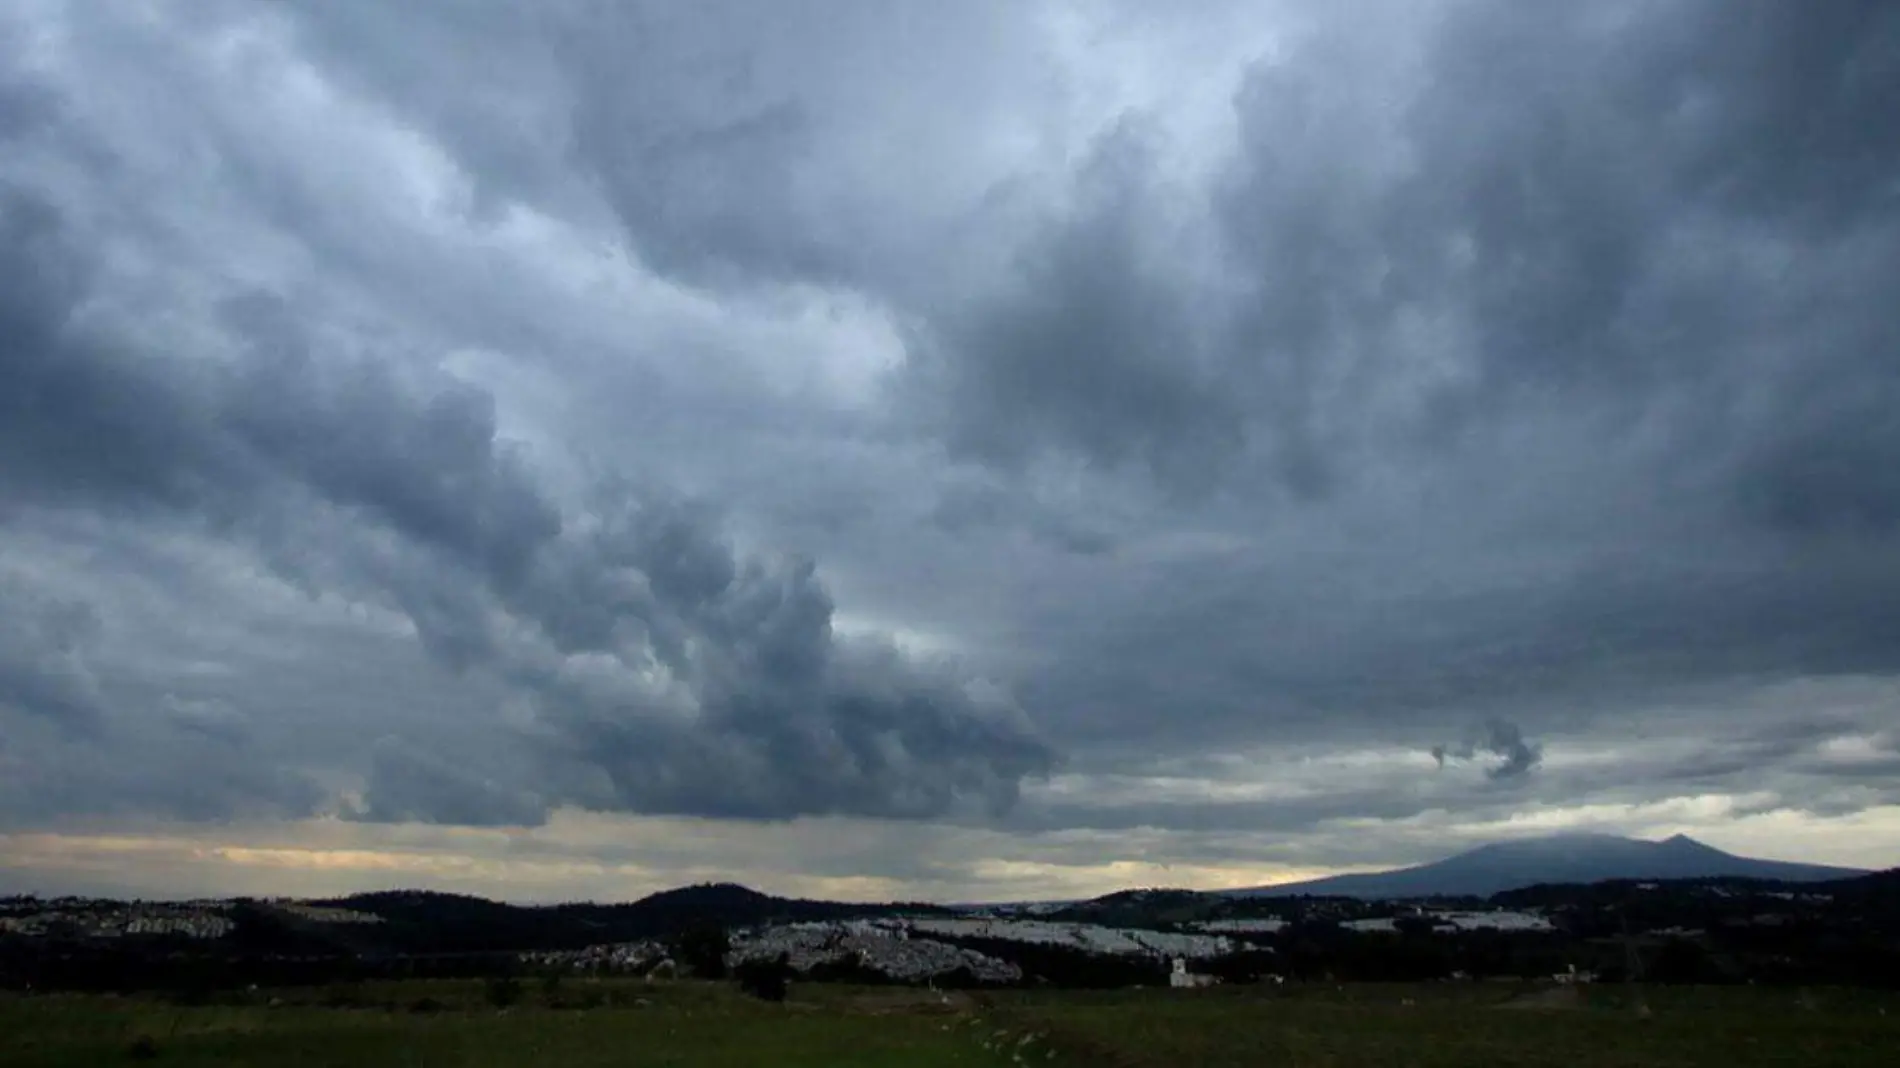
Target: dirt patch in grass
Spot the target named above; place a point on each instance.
(1554, 999)
(910, 1001)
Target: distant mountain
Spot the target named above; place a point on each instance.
(1567, 858)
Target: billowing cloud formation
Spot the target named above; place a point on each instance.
(679, 676)
(1079, 418)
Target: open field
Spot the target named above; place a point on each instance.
(448, 1024)
(1479, 1024)
(630, 1023)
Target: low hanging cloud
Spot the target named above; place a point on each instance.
(1499, 738)
(671, 676)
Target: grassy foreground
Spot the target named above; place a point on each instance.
(622, 1023)
(449, 1024)
(1463, 1026)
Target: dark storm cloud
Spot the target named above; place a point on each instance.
(972, 508)
(1368, 645)
(1716, 746)
(44, 670)
(79, 420)
(1500, 738)
(1465, 362)
(91, 421)
(760, 710)
(772, 716)
(1091, 343)
(1702, 242)
(406, 783)
(1678, 246)
(44, 274)
(1599, 210)
(482, 75)
(1679, 212)
(25, 107)
(430, 467)
(703, 157)
(75, 745)
(741, 143)
(1625, 352)
(217, 720)
(161, 779)
(867, 739)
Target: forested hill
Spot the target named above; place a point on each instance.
(422, 921)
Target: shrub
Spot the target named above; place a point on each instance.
(585, 998)
(191, 995)
(701, 950)
(765, 979)
(502, 991)
(343, 996)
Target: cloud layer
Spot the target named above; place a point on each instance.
(1040, 418)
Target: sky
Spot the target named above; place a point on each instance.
(975, 451)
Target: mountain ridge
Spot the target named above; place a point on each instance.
(1579, 857)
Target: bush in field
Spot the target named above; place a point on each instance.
(701, 949)
(502, 991)
(192, 994)
(765, 979)
(1682, 961)
(344, 996)
(1244, 966)
(584, 998)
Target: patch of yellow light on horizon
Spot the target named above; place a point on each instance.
(78, 848)
(352, 859)
(1111, 876)
(46, 843)
(843, 887)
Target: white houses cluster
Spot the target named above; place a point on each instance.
(888, 951)
(1088, 937)
(89, 919)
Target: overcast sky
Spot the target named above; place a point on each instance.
(961, 450)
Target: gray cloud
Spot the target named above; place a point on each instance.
(407, 783)
(741, 144)
(766, 713)
(44, 669)
(1500, 738)
(25, 108)
(760, 712)
(214, 719)
(492, 386)
(54, 783)
(1533, 339)
(1091, 344)
(977, 506)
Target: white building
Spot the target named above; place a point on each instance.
(1182, 978)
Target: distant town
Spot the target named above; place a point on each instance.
(1716, 929)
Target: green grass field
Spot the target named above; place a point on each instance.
(1464, 1026)
(630, 1023)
